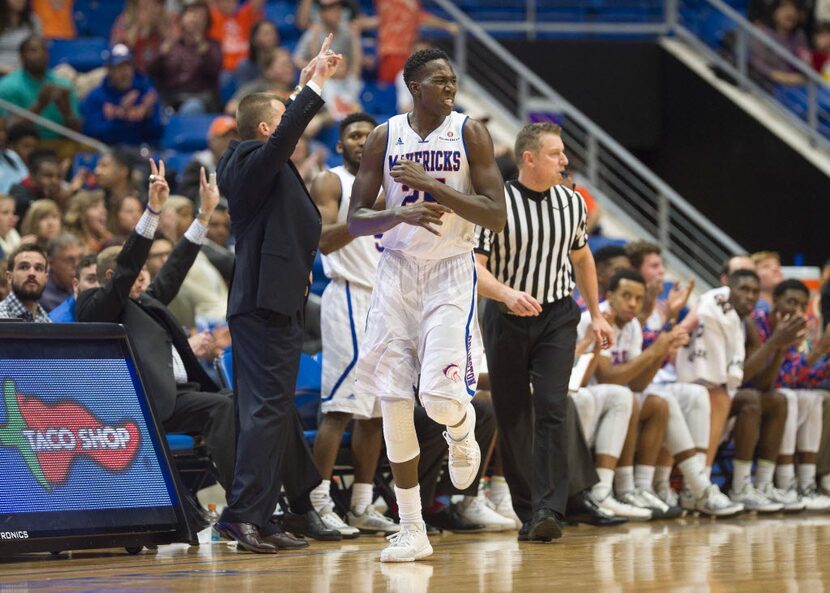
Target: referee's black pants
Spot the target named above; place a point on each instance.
(537, 351)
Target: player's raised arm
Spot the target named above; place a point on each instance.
(363, 219)
(485, 207)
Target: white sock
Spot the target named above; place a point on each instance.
(785, 476)
(606, 482)
(806, 475)
(409, 505)
(361, 497)
(707, 471)
(742, 474)
(498, 489)
(764, 472)
(662, 475)
(825, 482)
(468, 425)
(624, 480)
(644, 477)
(321, 496)
(694, 476)
(702, 457)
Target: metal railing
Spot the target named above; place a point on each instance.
(754, 60)
(55, 127)
(687, 237)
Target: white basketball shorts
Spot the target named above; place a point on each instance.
(342, 322)
(422, 332)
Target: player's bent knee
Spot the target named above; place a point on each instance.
(622, 399)
(443, 410)
(399, 430)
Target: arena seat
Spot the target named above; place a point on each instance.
(379, 99)
(187, 133)
(94, 16)
(87, 160)
(177, 161)
(83, 54)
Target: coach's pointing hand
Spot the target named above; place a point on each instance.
(424, 215)
(327, 62)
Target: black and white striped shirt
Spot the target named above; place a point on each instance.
(531, 254)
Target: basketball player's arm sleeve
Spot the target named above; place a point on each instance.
(363, 218)
(326, 193)
(486, 206)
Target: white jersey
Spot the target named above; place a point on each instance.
(628, 340)
(444, 157)
(357, 262)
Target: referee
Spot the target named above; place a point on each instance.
(529, 325)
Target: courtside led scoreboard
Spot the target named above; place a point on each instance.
(82, 463)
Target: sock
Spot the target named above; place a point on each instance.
(624, 480)
(662, 475)
(825, 482)
(644, 477)
(361, 497)
(694, 475)
(806, 476)
(462, 430)
(409, 505)
(742, 474)
(606, 482)
(498, 489)
(785, 476)
(321, 496)
(702, 457)
(764, 472)
(707, 471)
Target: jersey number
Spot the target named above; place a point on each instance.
(414, 196)
(378, 246)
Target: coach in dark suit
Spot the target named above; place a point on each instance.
(277, 229)
(183, 396)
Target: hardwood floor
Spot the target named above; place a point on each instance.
(775, 554)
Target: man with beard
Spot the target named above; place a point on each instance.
(26, 274)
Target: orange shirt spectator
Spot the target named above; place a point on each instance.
(56, 18)
(399, 25)
(231, 27)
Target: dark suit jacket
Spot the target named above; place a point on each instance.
(151, 328)
(275, 222)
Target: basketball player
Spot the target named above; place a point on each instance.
(440, 178)
(351, 265)
(627, 363)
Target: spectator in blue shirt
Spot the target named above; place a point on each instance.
(86, 277)
(124, 108)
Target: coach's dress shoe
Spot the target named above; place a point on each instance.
(310, 525)
(246, 536)
(583, 509)
(545, 526)
(448, 519)
(286, 541)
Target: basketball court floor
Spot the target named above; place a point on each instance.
(775, 554)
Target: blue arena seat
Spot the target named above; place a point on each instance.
(93, 17)
(83, 54)
(320, 278)
(187, 133)
(179, 443)
(87, 160)
(176, 161)
(379, 98)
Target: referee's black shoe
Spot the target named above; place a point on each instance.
(545, 526)
(583, 509)
(310, 525)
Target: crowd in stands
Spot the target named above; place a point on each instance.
(65, 218)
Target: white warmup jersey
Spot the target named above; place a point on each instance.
(444, 157)
(344, 306)
(357, 262)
